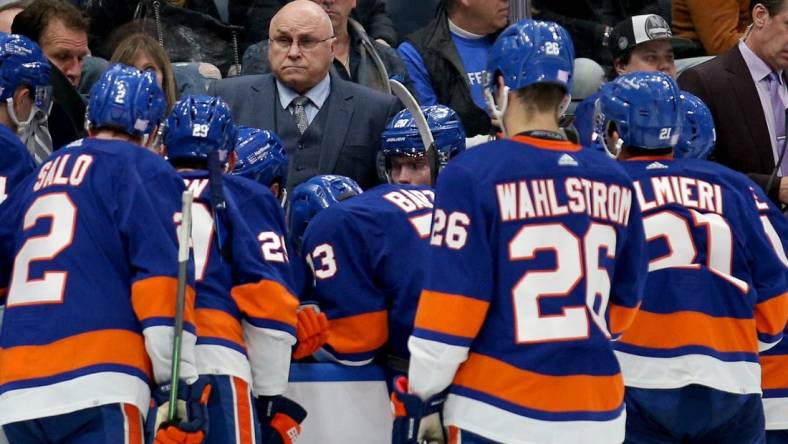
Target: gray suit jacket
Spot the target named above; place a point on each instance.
(348, 150)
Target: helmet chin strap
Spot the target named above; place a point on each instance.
(565, 102)
(21, 125)
(498, 112)
(283, 199)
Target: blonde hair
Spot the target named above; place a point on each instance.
(135, 44)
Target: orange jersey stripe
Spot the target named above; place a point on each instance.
(692, 328)
(770, 315)
(219, 324)
(266, 300)
(775, 371)
(358, 334)
(74, 352)
(575, 393)
(244, 411)
(155, 298)
(621, 318)
(452, 314)
(134, 421)
(552, 145)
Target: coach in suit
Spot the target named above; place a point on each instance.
(328, 125)
(745, 89)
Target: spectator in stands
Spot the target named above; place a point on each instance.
(370, 13)
(589, 22)
(447, 58)
(61, 31)
(7, 13)
(355, 52)
(143, 52)
(373, 16)
(639, 43)
(715, 25)
(745, 89)
(310, 109)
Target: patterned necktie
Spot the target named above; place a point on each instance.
(38, 141)
(299, 112)
(778, 109)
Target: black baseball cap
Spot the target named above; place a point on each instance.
(639, 29)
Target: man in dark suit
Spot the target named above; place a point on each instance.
(745, 89)
(328, 125)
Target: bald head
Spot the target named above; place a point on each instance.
(302, 13)
(301, 46)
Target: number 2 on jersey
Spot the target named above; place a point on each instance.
(575, 259)
(272, 245)
(50, 288)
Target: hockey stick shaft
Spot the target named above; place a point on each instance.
(184, 236)
(412, 105)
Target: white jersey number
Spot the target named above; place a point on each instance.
(328, 263)
(682, 249)
(49, 289)
(451, 230)
(273, 246)
(572, 323)
(774, 239)
(202, 237)
(3, 186)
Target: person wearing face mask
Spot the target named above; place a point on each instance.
(24, 87)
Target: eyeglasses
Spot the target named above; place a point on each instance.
(306, 44)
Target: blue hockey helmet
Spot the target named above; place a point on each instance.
(697, 134)
(128, 99)
(646, 109)
(198, 126)
(23, 63)
(529, 52)
(402, 138)
(312, 196)
(261, 156)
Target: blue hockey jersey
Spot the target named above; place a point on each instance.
(368, 256)
(716, 290)
(774, 362)
(91, 236)
(15, 162)
(536, 261)
(245, 308)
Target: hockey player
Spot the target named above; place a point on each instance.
(774, 362)
(311, 198)
(245, 309)
(308, 199)
(370, 296)
(25, 91)
(535, 262)
(697, 141)
(716, 289)
(91, 297)
(262, 157)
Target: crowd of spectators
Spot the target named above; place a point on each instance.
(324, 88)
